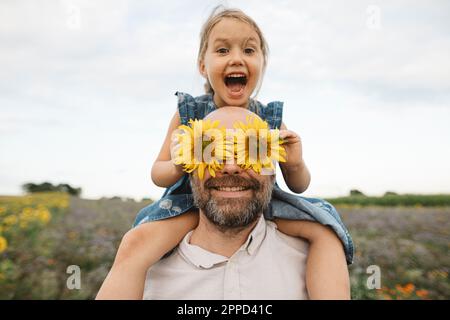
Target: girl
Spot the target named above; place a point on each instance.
(232, 58)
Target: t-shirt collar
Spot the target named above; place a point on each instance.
(202, 258)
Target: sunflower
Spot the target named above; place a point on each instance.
(3, 244)
(256, 146)
(202, 145)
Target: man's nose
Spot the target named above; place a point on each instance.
(231, 169)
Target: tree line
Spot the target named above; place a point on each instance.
(49, 187)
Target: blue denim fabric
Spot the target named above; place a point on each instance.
(178, 198)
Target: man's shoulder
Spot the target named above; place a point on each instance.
(296, 243)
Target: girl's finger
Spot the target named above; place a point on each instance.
(287, 134)
(175, 146)
(175, 133)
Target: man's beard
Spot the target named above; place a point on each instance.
(232, 214)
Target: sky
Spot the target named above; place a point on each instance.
(87, 90)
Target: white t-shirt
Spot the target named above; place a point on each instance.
(269, 265)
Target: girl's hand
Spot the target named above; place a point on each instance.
(295, 171)
(293, 146)
(175, 145)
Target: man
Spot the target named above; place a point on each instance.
(233, 253)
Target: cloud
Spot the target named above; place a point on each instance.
(328, 42)
(87, 87)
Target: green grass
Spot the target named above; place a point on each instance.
(408, 200)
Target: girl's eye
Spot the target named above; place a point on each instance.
(222, 50)
(249, 50)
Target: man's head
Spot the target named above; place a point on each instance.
(236, 197)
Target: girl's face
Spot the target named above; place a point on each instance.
(233, 62)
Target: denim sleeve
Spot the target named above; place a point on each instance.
(273, 114)
(187, 107)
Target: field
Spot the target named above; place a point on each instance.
(42, 234)
(394, 200)
(409, 244)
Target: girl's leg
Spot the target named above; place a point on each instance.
(139, 249)
(326, 268)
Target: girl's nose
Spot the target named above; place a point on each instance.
(236, 58)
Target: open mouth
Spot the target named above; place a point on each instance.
(236, 83)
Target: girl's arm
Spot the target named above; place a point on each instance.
(164, 172)
(295, 172)
(327, 275)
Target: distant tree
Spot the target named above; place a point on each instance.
(48, 187)
(355, 192)
(69, 189)
(28, 187)
(43, 187)
(390, 193)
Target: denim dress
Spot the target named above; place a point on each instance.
(178, 198)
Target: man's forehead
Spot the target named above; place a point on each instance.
(229, 115)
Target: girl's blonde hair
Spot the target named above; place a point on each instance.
(216, 16)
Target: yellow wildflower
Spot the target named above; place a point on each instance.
(44, 215)
(23, 224)
(10, 220)
(27, 214)
(3, 244)
(63, 203)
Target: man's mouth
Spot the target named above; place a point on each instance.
(231, 189)
(232, 192)
(235, 82)
(232, 186)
